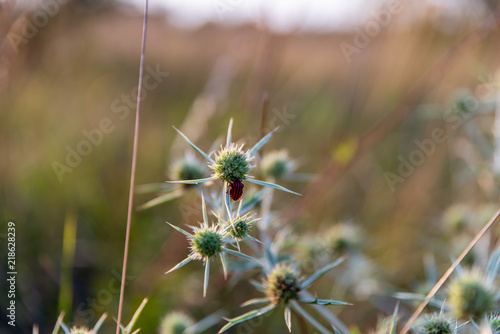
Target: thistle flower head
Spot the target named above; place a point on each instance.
(241, 226)
(206, 242)
(470, 297)
(276, 165)
(283, 284)
(232, 163)
(435, 324)
(344, 238)
(81, 330)
(188, 168)
(176, 323)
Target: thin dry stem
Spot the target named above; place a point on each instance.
(132, 173)
(448, 272)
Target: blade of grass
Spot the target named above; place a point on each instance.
(68, 255)
(58, 323)
(132, 172)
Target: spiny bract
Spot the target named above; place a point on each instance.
(283, 284)
(231, 164)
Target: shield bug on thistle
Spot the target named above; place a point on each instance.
(236, 190)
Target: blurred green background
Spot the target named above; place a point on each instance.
(66, 78)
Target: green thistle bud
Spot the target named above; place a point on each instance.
(188, 168)
(276, 165)
(344, 238)
(435, 324)
(231, 164)
(470, 297)
(206, 242)
(242, 226)
(176, 323)
(283, 284)
(80, 330)
(456, 218)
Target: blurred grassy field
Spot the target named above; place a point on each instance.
(65, 79)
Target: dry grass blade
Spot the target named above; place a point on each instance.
(132, 173)
(448, 272)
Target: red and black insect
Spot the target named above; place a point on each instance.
(236, 190)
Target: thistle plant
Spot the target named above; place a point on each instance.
(283, 286)
(472, 296)
(207, 242)
(437, 324)
(231, 163)
(282, 283)
(129, 329)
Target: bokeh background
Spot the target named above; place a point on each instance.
(350, 98)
